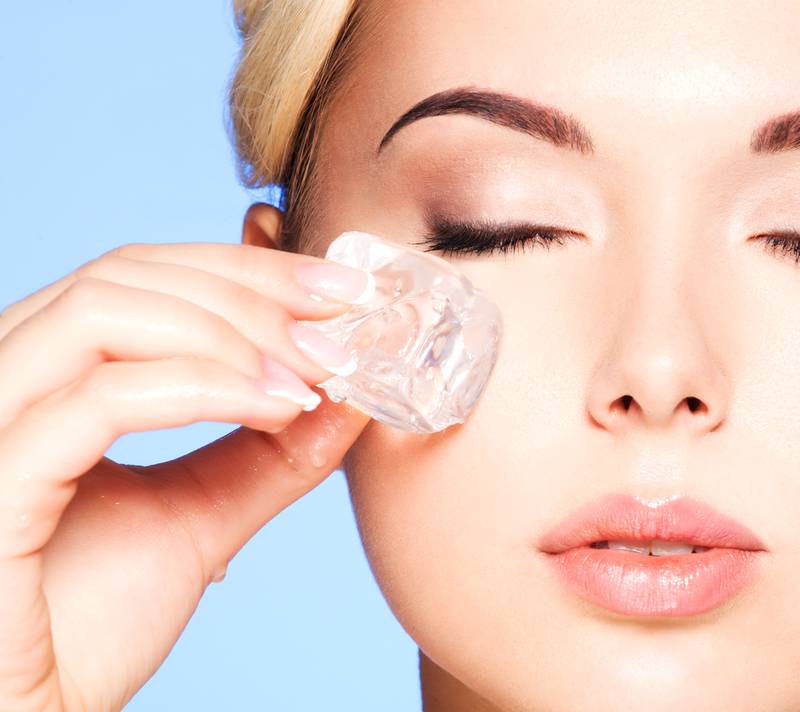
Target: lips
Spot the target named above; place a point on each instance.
(623, 517)
(634, 584)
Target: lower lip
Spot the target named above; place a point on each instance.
(638, 585)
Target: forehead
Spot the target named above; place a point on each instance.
(683, 68)
(670, 93)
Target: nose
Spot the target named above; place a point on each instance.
(654, 387)
(657, 369)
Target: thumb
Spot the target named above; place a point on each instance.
(233, 486)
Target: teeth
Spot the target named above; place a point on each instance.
(654, 548)
(669, 548)
(637, 546)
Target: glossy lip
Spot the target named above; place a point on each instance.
(624, 517)
(634, 584)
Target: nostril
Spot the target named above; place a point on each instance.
(693, 403)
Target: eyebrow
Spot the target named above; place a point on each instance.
(538, 120)
(781, 133)
(547, 123)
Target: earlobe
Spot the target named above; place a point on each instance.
(261, 226)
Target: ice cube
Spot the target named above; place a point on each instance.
(425, 344)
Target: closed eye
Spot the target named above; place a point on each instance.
(784, 242)
(450, 236)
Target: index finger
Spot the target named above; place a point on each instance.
(272, 272)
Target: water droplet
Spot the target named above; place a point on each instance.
(317, 458)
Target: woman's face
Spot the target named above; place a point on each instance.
(663, 294)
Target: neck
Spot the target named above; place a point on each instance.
(441, 692)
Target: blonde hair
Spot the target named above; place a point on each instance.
(293, 60)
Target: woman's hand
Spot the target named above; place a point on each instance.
(102, 564)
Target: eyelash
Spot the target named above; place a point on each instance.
(784, 242)
(476, 237)
(450, 237)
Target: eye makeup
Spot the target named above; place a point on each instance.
(457, 236)
(451, 236)
(785, 243)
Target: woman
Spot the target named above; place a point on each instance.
(613, 528)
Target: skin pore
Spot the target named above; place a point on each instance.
(664, 293)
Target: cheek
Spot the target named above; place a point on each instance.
(445, 530)
(448, 520)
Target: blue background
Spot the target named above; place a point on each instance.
(112, 132)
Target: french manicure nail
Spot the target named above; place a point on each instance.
(327, 353)
(280, 381)
(334, 281)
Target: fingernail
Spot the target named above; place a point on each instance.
(327, 353)
(284, 383)
(334, 281)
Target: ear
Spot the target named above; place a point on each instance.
(262, 226)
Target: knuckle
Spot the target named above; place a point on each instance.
(267, 318)
(252, 267)
(101, 393)
(241, 261)
(253, 303)
(241, 296)
(277, 326)
(197, 373)
(99, 385)
(99, 267)
(83, 295)
(281, 318)
(214, 330)
(195, 370)
(132, 250)
(100, 381)
(7, 314)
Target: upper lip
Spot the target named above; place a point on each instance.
(625, 517)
